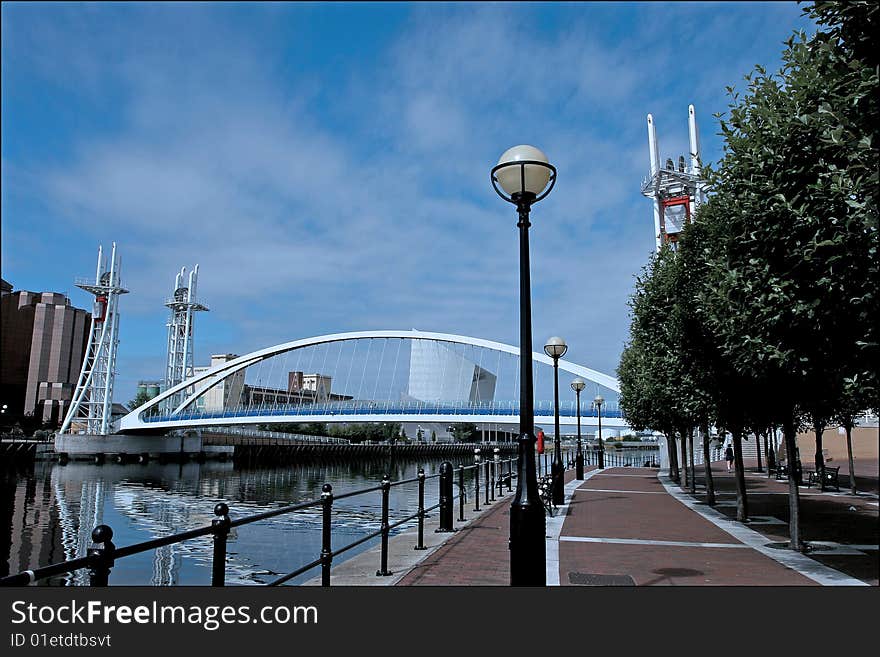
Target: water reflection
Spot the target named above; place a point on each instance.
(55, 507)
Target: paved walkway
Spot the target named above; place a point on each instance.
(629, 526)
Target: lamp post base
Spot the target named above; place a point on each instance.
(528, 551)
(558, 473)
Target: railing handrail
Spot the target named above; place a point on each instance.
(92, 560)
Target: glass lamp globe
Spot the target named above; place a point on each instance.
(555, 347)
(578, 384)
(536, 176)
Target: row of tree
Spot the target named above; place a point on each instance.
(766, 313)
(463, 432)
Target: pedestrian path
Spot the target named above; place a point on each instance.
(629, 526)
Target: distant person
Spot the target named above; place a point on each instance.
(728, 456)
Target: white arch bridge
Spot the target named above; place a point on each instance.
(375, 376)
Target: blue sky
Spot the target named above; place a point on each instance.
(327, 165)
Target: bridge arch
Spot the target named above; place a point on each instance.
(195, 387)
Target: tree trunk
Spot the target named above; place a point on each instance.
(770, 439)
(673, 457)
(758, 450)
(852, 471)
(742, 503)
(820, 458)
(684, 467)
(707, 466)
(690, 435)
(794, 502)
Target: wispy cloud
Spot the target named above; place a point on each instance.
(359, 200)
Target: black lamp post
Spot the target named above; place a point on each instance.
(577, 385)
(525, 176)
(597, 402)
(556, 348)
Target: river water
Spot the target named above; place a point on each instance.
(54, 508)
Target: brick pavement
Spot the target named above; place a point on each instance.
(623, 526)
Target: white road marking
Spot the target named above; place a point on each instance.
(640, 541)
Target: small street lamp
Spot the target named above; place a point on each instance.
(525, 176)
(577, 385)
(556, 348)
(597, 402)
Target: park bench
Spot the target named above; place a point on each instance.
(826, 478)
(782, 471)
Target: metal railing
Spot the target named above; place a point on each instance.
(103, 554)
(365, 407)
(489, 475)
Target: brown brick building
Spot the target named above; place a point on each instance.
(43, 340)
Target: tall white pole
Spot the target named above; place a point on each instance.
(655, 169)
(694, 135)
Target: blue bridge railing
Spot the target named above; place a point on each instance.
(542, 409)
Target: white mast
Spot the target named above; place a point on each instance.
(93, 397)
(180, 362)
(655, 168)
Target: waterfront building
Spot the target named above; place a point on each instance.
(43, 341)
(437, 373)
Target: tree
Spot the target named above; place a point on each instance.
(793, 295)
(141, 398)
(464, 432)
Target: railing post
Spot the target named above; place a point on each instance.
(386, 494)
(493, 469)
(509, 475)
(326, 548)
(477, 479)
(445, 498)
(220, 526)
(486, 485)
(461, 493)
(101, 553)
(421, 544)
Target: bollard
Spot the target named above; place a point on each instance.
(220, 526)
(446, 498)
(496, 472)
(326, 551)
(461, 493)
(101, 557)
(421, 544)
(386, 493)
(477, 483)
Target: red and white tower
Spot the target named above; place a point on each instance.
(676, 188)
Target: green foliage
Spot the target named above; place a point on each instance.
(768, 310)
(141, 398)
(377, 432)
(464, 432)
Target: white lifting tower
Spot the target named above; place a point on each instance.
(183, 304)
(676, 189)
(93, 397)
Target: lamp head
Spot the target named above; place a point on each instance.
(578, 384)
(523, 172)
(599, 400)
(555, 347)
